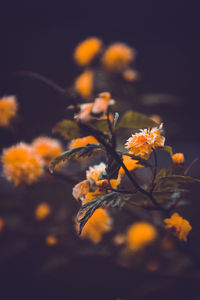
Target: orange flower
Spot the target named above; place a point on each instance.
(42, 211)
(101, 103)
(1, 224)
(142, 143)
(178, 158)
(95, 171)
(47, 148)
(81, 189)
(130, 75)
(82, 142)
(118, 56)
(21, 164)
(86, 51)
(139, 235)
(180, 226)
(84, 84)
(98, 224)
(156, 118)
(8, 109)
(84, 114)
(131, 164)
(51, 240)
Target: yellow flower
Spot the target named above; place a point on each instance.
(130, 75)
(178, 158)
(82, 142)
(86, 51)
(43, 210)
(1, 224)
(51, 240)
(95, 171)
(131, 164)
(101, 103)
(81, 189)
(156, 118)
(142, 143)
(139, 235)
(84, 114)
(84, 84)
(21, 164)
(117, 56)
(47, 148)
(180, 226)
(8, 109)
(98, 224)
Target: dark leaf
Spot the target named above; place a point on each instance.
(101, 125)
(68, 129)
(112, 167)
(167, 148)
(134, 120)
(174, 181)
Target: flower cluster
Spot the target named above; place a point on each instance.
(180, 226)
(8, 110)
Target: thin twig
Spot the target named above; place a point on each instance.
(154, 171)
(190, 165)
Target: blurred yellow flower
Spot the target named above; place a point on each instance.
(131, 164)
(142, 143)
(43, 210)
(178, 158)
(118, 56)
(156, 118)
(47, 148)
(180, 226)
(51, 240)
(86, 51)
(84, 114)
(82, 142)
(84, 84)
(2, 223)
(21, 164)
(81, 189)
(130, 75)
(101, 103)
(139, 235)
(8, 109)
(98, 224)
(95, 171)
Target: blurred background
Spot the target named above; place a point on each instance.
(40, 36)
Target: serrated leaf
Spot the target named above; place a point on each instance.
(68, 129)
(174, 181)
(134, 120)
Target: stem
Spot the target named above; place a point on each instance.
(113, 138)
(154, 171)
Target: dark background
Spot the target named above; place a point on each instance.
(40, 36)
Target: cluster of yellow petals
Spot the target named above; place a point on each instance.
(47, 148)
(95, 171)
(86, 51)
(2, 223)
(8, 109)
(51, 240)
(82, 142)
(180, 226)
(178, 158)
(97, 225)
(131, 165)
(43, 210)
(21, 164)
(142, 144)
(140, 235)
(117, 56)
(84, 84)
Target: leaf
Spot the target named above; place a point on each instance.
(101, 125)
(174, 181)
(68, 129)
(167, 148)
(134, 120)
(112, 199)
(78, 152)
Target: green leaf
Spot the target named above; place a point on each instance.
(167, 148)
(174, 181)
(68, 129)
(134, 120)
(101, 125)
(74, 153)
(112, 199)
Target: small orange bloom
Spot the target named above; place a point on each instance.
(47, 148)
(118, 56)
(51, 240)
(21, 164)
(84, 84)
(101, 103)
(95, 171)
(98, 224)
(130, 75)
(82, 142)
(180, 226)
(42, 211)
(139, 235)
(1, 224)
(131, 164)
(178, 158)
(84, 114)
(86, 51)
(8, 109)
(81, 189)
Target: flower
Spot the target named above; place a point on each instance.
(84, 84)
(43, 210)
(142, 143)
(21, 164)
(139, 235)
(131, 164)
(84, 114)
(51, 240)
(130, 75)
(81, 189)
(156, 118)
(47, 148)
(101, 103)
(178, 158)
(95, 171)
(180, 226)
(98, 224)
(118, 56)
(82, 142)
(8, 109)
(86, 51)
(1, 224)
